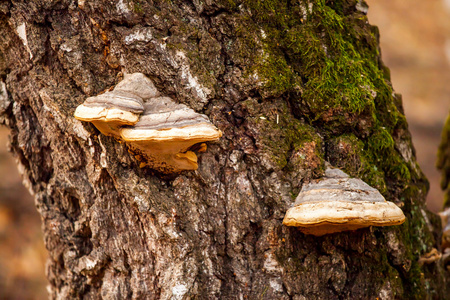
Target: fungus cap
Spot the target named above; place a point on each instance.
(430, 257)
(111, 110)
(339, 203)
(165, 133)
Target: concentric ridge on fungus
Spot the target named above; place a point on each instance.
(111, 110)
(157, 130)
(339, 203)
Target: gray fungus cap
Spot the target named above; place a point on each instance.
(138, 84)
(111, 110)
(165, 133)
(339, 203)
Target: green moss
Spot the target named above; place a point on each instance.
(328, 63)
(417, 238)
(381, 146)
(138, 7)
(279, 134)
(280, 140)
(373, 159)
(277, 74)
(414, 288)
(348, 153)
(318, 53)
(202, 62)
(422, 239)
(228, 4)
(332, 59)
(390, 276)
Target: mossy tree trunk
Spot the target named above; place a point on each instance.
(291, 84)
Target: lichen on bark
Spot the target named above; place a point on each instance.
(291, 84)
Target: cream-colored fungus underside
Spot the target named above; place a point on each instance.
(167, 149)
(107, 120)
(325, 217)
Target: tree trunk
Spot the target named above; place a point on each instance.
(443, 161)
(291, 84)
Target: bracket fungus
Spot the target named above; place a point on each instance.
(430, 257)
(165, 134)
(445, 218)
(339, 203)
(111, 110)
(161, 133)
(119, 107)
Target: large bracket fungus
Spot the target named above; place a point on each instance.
(339, 203)
(166, 132)
(160, 132)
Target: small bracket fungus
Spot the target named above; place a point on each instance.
(111, 110)
(122, 106)
(430, 257)
(339, 203)
(445, 218)
(446, 259)
(165, 133)
(161, 133)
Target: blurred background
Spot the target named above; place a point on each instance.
(415, 45)
(22, 251)
(415, 42)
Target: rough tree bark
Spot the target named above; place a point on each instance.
(291, 84)
(443, 161)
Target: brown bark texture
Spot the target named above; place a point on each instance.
(443, 161)
(114, 230)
